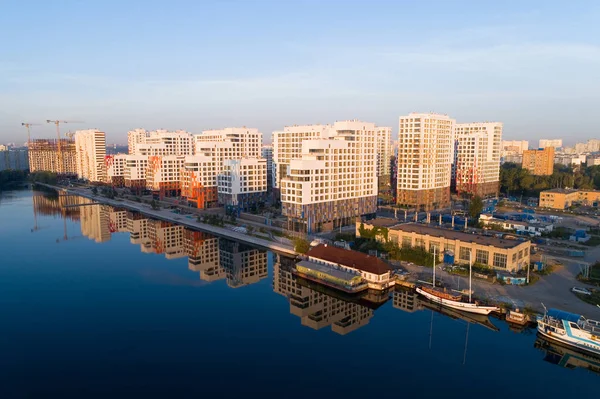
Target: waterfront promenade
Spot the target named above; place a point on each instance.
(169, 216)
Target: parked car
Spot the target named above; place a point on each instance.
(581, 290)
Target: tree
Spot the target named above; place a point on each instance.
(301, 245)
(95, 190)
(154, 205)
(475, 207)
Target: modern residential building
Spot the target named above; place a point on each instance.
(163, 175)
(539, 162)
(561, 198)
(425, 148)
(334, 180)
(242, 184)
(513, 147)
(229, 143)
(134, 138)
(592, 160)
(115, 169)
(160, 142)
(384, 150)
(546, 143)
(14, 158)
(199, 181)
(476, 167)
(508, 255)
(574, 160)
(135, 172)
(58, 156)
(90, 147)
(287, 145)
(244, 265)
(267, 153)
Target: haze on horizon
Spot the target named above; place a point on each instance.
(535, 66)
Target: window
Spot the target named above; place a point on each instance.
(500, 260)
(420, 243)
(482, 256)
(526, 251)
(450, 247)
(514, 257)
(406, 242)
(464, 253)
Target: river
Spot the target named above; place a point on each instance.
(100, 302)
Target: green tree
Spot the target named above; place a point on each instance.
(154, 205)
(301, 245)
(475, 207)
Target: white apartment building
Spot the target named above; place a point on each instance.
(233, 143)
(135, 171)
(334, 181)
(425, 156)
(242, 183)
(513, 147)
(267, 153)
(134, 138)
(384, 150)
(199, 181)
(287, 145)
(545, 143)
(90, 147)
(115, 169)
(476, 168)
(163, 174)
(164, 142)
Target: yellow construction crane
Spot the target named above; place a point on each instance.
(60, 167)
(27, 125)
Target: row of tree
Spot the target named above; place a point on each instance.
(10, 177)
(516, 180)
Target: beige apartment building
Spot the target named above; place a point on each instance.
(384, 150)
(561, 198)
(507, 255)
(425, 157)
(539, 162)
(58, 156)
(90, 153)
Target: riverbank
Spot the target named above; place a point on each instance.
(169, 216)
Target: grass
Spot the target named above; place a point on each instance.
(593, 242)
(594, 299)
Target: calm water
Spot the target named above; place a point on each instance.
(164, 312)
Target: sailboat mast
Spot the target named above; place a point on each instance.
(434, 266)
(470, 272)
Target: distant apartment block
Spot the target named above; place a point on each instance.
(14, 158)
(539, 162)
(160, 142)
(199, 181)
(592, 160)
(115, 169)
(335, 178)
(242, 183)
(425, 156)
(163, 176)
(135, 171)
(546, 143)
(267, 153)
(229, 143)
(514, 146)
(384, 150)
(560, 198)
(90, 147)
(476, 167)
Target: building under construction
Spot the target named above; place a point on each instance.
(51, 155)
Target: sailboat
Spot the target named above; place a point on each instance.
(455, 301)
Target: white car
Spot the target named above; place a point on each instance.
(580, 290)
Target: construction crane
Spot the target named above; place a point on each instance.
(28, 125)
(60, 165)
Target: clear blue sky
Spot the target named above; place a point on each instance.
(194, 65)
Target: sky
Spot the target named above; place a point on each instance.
(197, 65)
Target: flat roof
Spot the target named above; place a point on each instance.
(561, 190)
(382, 222)
(349, 258)
(337, 273)
(457, 235)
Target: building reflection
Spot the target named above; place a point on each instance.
(567, 357)
(316, 305)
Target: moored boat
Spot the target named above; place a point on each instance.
(516, 317)
(570, 329)
(455, 301)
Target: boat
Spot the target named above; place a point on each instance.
(455, 301)
(570, 329)
(473, 318)
(516, 317)
(567, 356)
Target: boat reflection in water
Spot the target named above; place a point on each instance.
(567, 357)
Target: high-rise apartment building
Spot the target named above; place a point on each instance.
(555, 143)
(425, 155)
(90, 153)
(539, 162)
(229, 143)
(199, 181)
(14, 158)
(267, 154)
(242, 183)
(513, 147)
(160, 142)
(163, 175)
(334, 180)
(135, 171)
(58, 156)
(476, 167)
(384, 150)
(115, 169)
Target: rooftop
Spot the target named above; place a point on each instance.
(561, 190)
(337, 273)
(349, 258)
(456, 235)
(383, 222)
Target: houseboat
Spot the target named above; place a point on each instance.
(331, 276)
(570, 329)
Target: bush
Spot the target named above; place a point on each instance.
(301, 245)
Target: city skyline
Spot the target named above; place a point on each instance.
(272, 64)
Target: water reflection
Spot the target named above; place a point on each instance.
(567, 357)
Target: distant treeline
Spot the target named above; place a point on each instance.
(514, 179)
(10, 178)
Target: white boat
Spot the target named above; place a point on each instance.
(570, 329)
(454, 301)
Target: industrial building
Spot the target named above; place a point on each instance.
(561, 198)
(476, 166)
(90, 147)
(539, 162)
(501, 254)
(334, 180)
(425, 156)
